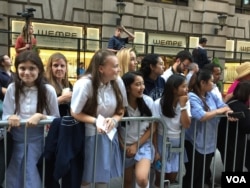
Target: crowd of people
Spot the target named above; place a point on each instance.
(112, 87)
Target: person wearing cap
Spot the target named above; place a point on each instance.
(116, 42)
(181, 64)
(200, 53)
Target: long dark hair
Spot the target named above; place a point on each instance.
(242, 91)
(39, 82)
(128, 78)
(98, 59)
(150, 59)
(168, 95)
(195, 84)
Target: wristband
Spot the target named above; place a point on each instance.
(114, 121)
(183, 108)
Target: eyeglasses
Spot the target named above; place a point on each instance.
(185, 66)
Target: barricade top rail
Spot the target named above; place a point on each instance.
(49, 121)
(23, 122)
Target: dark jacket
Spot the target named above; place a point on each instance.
(63, 153)
(243, 129)
(154, 88)
(200, 57)
(5, 80)
(117, 43)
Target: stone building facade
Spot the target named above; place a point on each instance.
(199, 18)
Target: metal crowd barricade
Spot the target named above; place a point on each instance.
(120, 183)
(22, 123)
(179, 150)
(216, 169)
(126, 119)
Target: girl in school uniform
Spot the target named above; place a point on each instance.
(29, 98)
(138, 148)
(174, 108)
(100, 92)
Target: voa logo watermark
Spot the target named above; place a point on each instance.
(236, 179)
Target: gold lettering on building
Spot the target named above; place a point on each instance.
(167, 42)
(245, 48)
(56, 33)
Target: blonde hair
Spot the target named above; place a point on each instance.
(49, 74)
(124, 60)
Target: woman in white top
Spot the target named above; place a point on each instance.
(100, 92)
(138, 148)
(174, 108)
(29, 98)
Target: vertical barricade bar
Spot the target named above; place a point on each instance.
(235, 146)
(204, 157)
(95, 157)
(225, 149)
(193, 155)
(181, 169)
(25, 155)
(43, 172)
(213, 172)
(162, 123)
(245, 153)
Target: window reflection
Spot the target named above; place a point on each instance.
(176, 2)
(242, 6)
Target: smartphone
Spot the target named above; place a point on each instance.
(237, 115)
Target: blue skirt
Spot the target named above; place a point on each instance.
(146, 151)
(15, 170)
(108, 163)
(172, 158)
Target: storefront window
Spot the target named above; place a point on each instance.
(66, 39)
(166, 44)
(175, 2)
(242, 6)
(70, 55)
